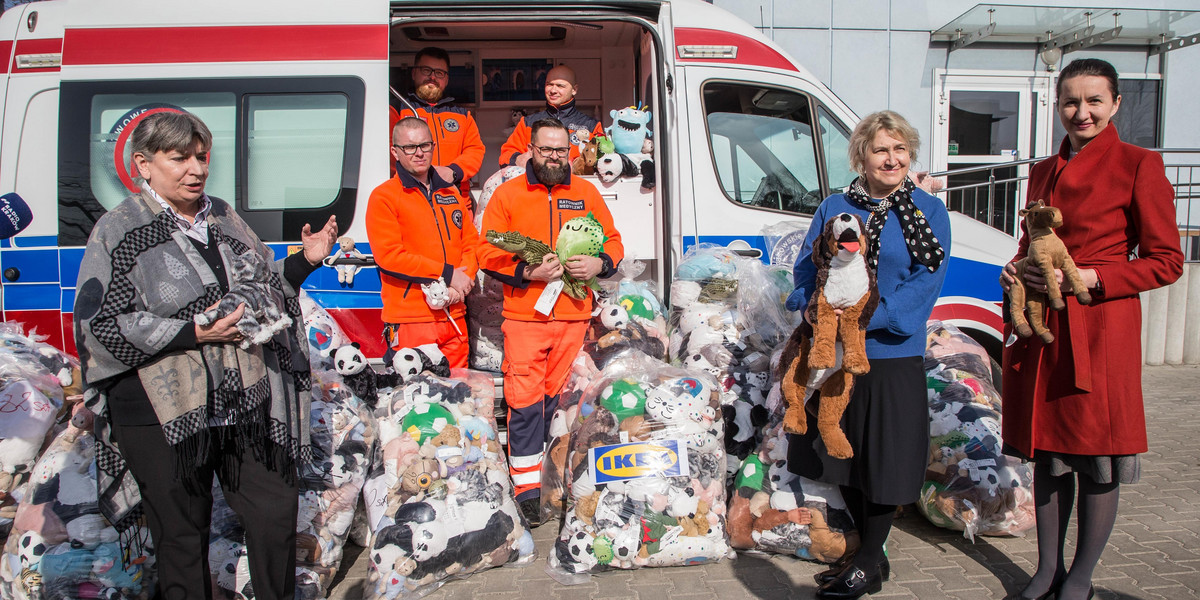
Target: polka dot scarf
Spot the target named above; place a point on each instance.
(922, 244)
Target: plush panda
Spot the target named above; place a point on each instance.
(410, 362)
(351, 364)
(613, 316)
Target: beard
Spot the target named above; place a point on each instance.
(429, 92)
(550, 174)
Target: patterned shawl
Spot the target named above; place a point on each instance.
(140, 283)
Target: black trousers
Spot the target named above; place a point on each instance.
(264, 500)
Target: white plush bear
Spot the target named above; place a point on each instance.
(346, 261)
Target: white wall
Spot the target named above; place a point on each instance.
(886, 42)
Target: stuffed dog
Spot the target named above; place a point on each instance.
(1048, 252)
(828, 355)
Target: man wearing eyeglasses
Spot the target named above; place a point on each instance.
(458, 151)
(560, 104)
(421, 229)
(543, 328)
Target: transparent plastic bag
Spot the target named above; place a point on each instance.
(567, 417)
(628, 317)
(784, 241)
(646, 466)
(727, 317)
(774, 510)
(970, 484)
(439, 499)
(485, 304)
(228, 559)
(60, 546)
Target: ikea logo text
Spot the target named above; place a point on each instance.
(663, 458)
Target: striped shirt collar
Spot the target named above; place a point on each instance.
(197, 230)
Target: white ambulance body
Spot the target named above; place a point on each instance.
(297, 93)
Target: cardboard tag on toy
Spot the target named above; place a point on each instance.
(375, 493)
(24, 411)
(549, 297)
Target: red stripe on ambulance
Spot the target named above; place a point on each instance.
(968, 312)
(248, 43)
(749, 50)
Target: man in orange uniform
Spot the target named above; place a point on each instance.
(541, 341)
(560, 104)
(458, 151)
(420, 230)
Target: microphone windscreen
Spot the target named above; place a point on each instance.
(15, 215)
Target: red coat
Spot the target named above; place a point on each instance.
(1082, 394)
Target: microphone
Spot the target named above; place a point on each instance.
(15, 215)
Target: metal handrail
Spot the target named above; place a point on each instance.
(1185, 181)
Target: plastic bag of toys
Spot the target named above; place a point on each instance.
(727, 317)
(439, 498)
(773, 510)
(60, 545)
(228, 560)
(35, 379)
(784, 241)
(567, 417)
(970, 485)
(629, 317)
(486, 303)
(647, 472)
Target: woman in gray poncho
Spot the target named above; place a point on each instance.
(178, 403)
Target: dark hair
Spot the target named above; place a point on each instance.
(540, 124)
(1089, 67)
(432, 52)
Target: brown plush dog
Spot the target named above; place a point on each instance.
(1047, 252)
(812, 358)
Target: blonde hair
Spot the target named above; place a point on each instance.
(884, 120)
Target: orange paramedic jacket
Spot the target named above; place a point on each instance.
(524, 205)
(455, 134)
(417, 237)
(576, 121)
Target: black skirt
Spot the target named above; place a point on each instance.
(887, 423)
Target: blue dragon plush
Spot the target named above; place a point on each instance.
(630, 129)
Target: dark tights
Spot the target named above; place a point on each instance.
(874, 522)
(1052, 498)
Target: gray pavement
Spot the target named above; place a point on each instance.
(1154, 552)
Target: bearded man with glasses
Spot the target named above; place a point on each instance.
(543, 328)
(458, 149)
(421, 229)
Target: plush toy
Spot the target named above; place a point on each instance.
(611, 167)
(532, 251)
(249, 274)
(410, 362)
(1047, 252)
(630, 129)
(351, 364)
(347, 261)
(589, 153)
(581, 236)
(811, 359)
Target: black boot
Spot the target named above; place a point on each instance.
(851, 584)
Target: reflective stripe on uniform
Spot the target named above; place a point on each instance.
(530, 478)
(526, 462)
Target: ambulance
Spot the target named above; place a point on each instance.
(297, 96)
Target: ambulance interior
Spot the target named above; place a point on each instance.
(498, 68)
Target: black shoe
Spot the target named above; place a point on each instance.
(885, 570)
(1050, 593)
(531, 508)
(834, 570)
(851, 584)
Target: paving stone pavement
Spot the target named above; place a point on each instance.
(1154, 551)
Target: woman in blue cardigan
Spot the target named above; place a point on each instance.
(887, 421)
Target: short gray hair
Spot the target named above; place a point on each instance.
(167, 131)
(408, 123)
(884, 120)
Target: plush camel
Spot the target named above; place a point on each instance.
(1047, 252)
(827, 356)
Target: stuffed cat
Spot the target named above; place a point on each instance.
(248, 284)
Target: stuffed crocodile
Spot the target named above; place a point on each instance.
(531, 251)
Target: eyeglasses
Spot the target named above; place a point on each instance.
(548, 151)
(427, 71)
(411, 149)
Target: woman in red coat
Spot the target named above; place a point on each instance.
(1074, 406)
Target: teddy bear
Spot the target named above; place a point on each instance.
(828, 545)
(1047, 252)
(347, 261)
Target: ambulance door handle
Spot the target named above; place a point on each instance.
(12, 274)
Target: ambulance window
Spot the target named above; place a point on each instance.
(763, 146)
(295, 147)
(112, 114)
(835, 143)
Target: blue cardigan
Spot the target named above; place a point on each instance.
(907, 289)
